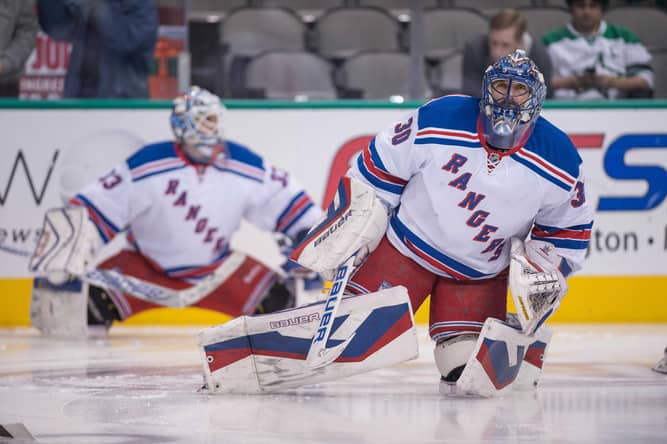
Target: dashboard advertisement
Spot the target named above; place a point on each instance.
(51, 153)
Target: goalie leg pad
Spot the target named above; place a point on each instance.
(533, 362)
(254, 354)
(495, 361)
(60, 310)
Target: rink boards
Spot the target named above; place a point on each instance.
(52, 149)
(590, 299)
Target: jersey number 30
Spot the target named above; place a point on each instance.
(110, 180)
(402, 132)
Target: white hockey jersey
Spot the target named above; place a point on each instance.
(453, 213)
(181, 216)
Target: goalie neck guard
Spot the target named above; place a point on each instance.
(512, 97)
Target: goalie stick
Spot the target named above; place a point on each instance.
(318, 354)
(157, 294)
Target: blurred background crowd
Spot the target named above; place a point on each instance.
(326, 49)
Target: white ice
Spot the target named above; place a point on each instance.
(139, 385)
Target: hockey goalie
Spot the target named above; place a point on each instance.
(460, 200)
(178, 203)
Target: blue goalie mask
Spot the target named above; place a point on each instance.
(196, 118)
(512, 97)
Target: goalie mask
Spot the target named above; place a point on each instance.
(512, 96)
(196, 122)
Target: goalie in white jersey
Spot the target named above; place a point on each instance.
(464, 182)
(179, 203)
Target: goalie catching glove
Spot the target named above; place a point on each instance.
(536, 283)
(66, 246)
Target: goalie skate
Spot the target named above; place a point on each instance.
(661, 366)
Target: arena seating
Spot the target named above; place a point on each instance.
(326, 35)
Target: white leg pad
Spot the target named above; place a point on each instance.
(60, 312)
(495, 361)
(533, 361)
(254, 354)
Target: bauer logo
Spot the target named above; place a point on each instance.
(332, 229)
(336, 288)
(297, 320)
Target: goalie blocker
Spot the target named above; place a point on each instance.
(254, 354)
(354, 224)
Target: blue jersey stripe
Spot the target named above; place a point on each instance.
(554, 147)
(459, 112)
(572, 244)
(542, 173)
(298, 216)
(155, 173)
(151, 153)
(564, 267)
(375, 157)
(547, 228)
(403, 232)
(442, 141)
(374, 180)
(288, 208)
(183, 268)
(101, 215)
(239, 173)
(243, 154)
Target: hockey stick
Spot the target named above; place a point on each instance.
(318, 354)
(157, 294)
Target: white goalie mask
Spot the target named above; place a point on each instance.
(196, 118)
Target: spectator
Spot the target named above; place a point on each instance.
(112, 44)
(18, 30)
(507, 33)
(593, 59)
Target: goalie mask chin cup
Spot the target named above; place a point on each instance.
(195, 120)
(513, 93)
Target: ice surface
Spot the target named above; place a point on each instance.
(139, 385)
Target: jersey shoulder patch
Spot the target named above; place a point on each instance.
(550, 153)
(451, 112)
(241, 161)
(154, 159)
(449, 120)
(243, 154)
